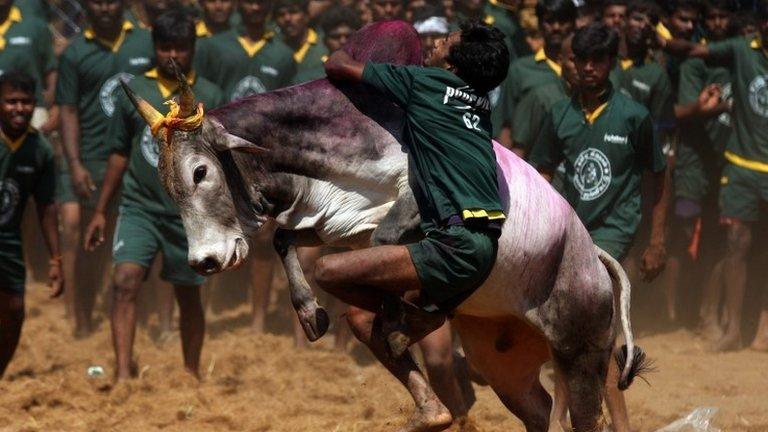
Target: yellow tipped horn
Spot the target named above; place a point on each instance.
(187, 104)
(147, 111)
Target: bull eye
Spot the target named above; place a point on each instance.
(199, 174)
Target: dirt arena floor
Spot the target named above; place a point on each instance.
(262, 383)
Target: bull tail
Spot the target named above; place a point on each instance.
(631, 359)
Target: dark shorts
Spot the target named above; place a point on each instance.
(12, 270)
(452, 262)
(742, 191)
(65, 192)
(140, 236)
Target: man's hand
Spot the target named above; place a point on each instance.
(710, 101)
(55, 278)
(94, 234)
(81, 180)
(653, 262)
(340, 66)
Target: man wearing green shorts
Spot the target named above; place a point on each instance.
(90, 69)
(292, 17)
(149, 223)
(249, 58)
(26, 44)
(744, 183)
(26, 170)
(453, 178)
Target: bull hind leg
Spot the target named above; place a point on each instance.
(508, 355)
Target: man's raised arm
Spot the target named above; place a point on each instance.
(342, 67)
(683, 48)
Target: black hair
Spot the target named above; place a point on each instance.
(609, 3)
(648, 8)
(674, 5)
(761, 7)
(174, 26)
(561, 10)
(741, 20)
(726, 5)
(18, 80)
(338, 16)
(302, 4)
(595, 41)
(481, 57)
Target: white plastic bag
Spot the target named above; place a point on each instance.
(699, 420)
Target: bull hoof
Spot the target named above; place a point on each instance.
(314, 321)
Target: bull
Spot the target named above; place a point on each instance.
(326, 163)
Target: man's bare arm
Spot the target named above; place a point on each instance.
(709, 104)
(342, 67)
(70, 135)
(684, 48)
(116, 166)
(49, 225)
(655, 256)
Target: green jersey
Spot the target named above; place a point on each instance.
(34, 8)
(310, 59)
(241, 67)
(524, 75)
(89, 78)
(605, 155)
(130, 134)
(533, 109)
(447, 131)
(506, 21)
(748, 64)
(648, 84)
(26, 45)
(26, 169)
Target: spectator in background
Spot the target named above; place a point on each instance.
(90, 70)
(615, 14)
(149, 222)
(387, 9)
(39, 9)
(586, 15)
(745, 23)
(216, 17)
(26, 44)
(292, 17)
(143, 12)
(338, 24)
(26, 170)
(431, 24)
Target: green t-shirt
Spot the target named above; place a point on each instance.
(27, 46)
(89, 78)
(27, 171)
(749, 67)
(223, 60)
(533, 109)
(717, 133)
(36, 8)
(447, 132)
(130, 134)
(310, 59)
(524, 75)
(604, 160)
(647, 83)
(506, 21)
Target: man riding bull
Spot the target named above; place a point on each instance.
(453, 177)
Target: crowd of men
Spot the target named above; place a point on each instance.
(660, 109)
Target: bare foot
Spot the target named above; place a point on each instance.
(729, 342)
(711, 330)
(432, 417)
(414, 326)
(760, 343)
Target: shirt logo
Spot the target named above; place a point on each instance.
(20, 40)
(107, 92)
(615, 139)
(725, 118)
(25, 169)
(247, 86)
(9, 199)
(138, 61)
(149, 147)
(593, 174)
(465, 98)
(758, 95)
(641, 86)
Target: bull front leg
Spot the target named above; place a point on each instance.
(312, 317)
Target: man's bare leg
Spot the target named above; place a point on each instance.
(735, 275)
(191, 324)
(262, 268)
(437, 349)
(70, 247)
(164, 294)
(127, 282)
(11, 321)
(430, 415)
(760, 342)
(710, 304)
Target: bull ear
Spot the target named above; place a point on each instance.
(223, 140)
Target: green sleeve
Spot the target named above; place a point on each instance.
(524, 122)
(120, 132)
(723, 53)
(67, 86)
(547, 151)
(47, 59)
(394, 81)
(651, 155)
(661, 104)
(693, 79)
(45, 186)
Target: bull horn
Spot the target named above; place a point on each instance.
(187, 104)
(147, 111)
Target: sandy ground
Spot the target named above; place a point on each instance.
(262, 383)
